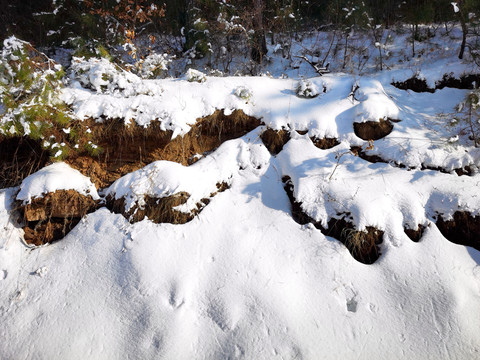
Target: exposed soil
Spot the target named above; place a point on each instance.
(363, 245)
(415, 235)
(325, 143)
(51, 217)
(448, 80)
(124, 149)
(463, 229)
(161, 210)
(465, 82)
(129, 148)
(274, 140)
(20, 157)
(373, 130)
(414, 84)
(40, 233)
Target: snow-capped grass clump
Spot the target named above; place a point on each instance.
(307, 89)
(243, 93)
(103, 76)
(58, 176)
(193, 75)
(153, 65)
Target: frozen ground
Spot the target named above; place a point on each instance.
(243, 279)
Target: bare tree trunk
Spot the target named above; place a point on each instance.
(259, 44)
(463, 24)
(464, 36)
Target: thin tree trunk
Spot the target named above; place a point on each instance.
(259, 43)
(464, 38)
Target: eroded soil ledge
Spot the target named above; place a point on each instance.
(364, 246)
(466, 82)
(129, 148)
(52, 216)
(162, 210)
(463, 229)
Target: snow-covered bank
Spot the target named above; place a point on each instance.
(242, 280)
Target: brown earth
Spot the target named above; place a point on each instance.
(362, 245)
(129, 148)
(325, 143)
(52, 216)
(415, 235)
(463, 229)
(161, 210)
(274, 140)
(373, 130)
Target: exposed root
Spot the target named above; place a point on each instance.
(274, 140)
(373, 130)
(362, 245)
(463, 229)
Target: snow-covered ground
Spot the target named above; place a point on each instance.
(243, 279)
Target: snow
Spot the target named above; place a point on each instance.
(374, 104)
(243, 279)
(57, 176)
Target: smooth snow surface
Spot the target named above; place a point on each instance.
(57, 176)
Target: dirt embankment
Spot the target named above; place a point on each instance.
(364, 246)
(123, 149)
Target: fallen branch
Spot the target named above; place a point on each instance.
(320, 70)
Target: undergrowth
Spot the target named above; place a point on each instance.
(30, 84)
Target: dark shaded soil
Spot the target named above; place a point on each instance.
(414, 84)
(364, 246)
(161, 210)
(448, 80)
(51, 217)
(464, 82)
(373, 130)
(415, 235)
(325, 143)
(463, 229)
(20, 157)
(360, 152)
(274, 140)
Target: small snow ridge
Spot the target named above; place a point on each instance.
(58, 176)
(375, 104)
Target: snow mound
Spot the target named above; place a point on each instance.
(333, 183)
(375, 104)
(58, 176)
(165, 178)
